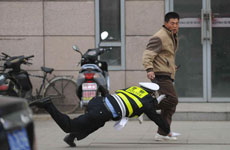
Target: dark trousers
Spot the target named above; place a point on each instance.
(85, 124)
(167, 105)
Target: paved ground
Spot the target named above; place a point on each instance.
(196, 135)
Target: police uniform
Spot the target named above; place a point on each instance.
(129, 102)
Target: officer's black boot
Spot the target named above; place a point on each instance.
(69, 139)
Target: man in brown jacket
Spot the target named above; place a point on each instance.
(159, 62)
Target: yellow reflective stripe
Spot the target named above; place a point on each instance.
(137, 91)
(123, 97)
(139, 104)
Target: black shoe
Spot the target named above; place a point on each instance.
(41, 102)
(69, 140)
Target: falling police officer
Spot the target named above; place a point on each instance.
(125, 103)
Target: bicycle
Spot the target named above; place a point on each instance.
(61, 89)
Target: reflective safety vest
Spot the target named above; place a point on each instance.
(132, 99)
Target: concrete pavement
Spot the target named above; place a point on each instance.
(196, 135)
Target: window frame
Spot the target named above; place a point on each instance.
(121, 43)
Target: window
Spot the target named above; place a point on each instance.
(110, 18)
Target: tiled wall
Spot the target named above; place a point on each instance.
(48, 29)
(143, 18)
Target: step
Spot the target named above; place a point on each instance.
(202, 112)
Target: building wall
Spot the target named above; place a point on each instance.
(49, 28)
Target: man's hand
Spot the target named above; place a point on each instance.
(151, 75)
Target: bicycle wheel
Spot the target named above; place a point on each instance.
(62, 91)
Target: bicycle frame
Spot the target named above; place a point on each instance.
(45, 83)
(42, 86)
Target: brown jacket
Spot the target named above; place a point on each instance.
(159, 55)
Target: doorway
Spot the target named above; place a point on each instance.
(204, 50)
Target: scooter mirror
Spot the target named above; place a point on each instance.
(75, 47)
(104, 35)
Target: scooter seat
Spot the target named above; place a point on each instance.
(47, 70)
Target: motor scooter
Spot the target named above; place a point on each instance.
(15, 82)
(93, 77)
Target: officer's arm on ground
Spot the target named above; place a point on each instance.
(150, 111)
